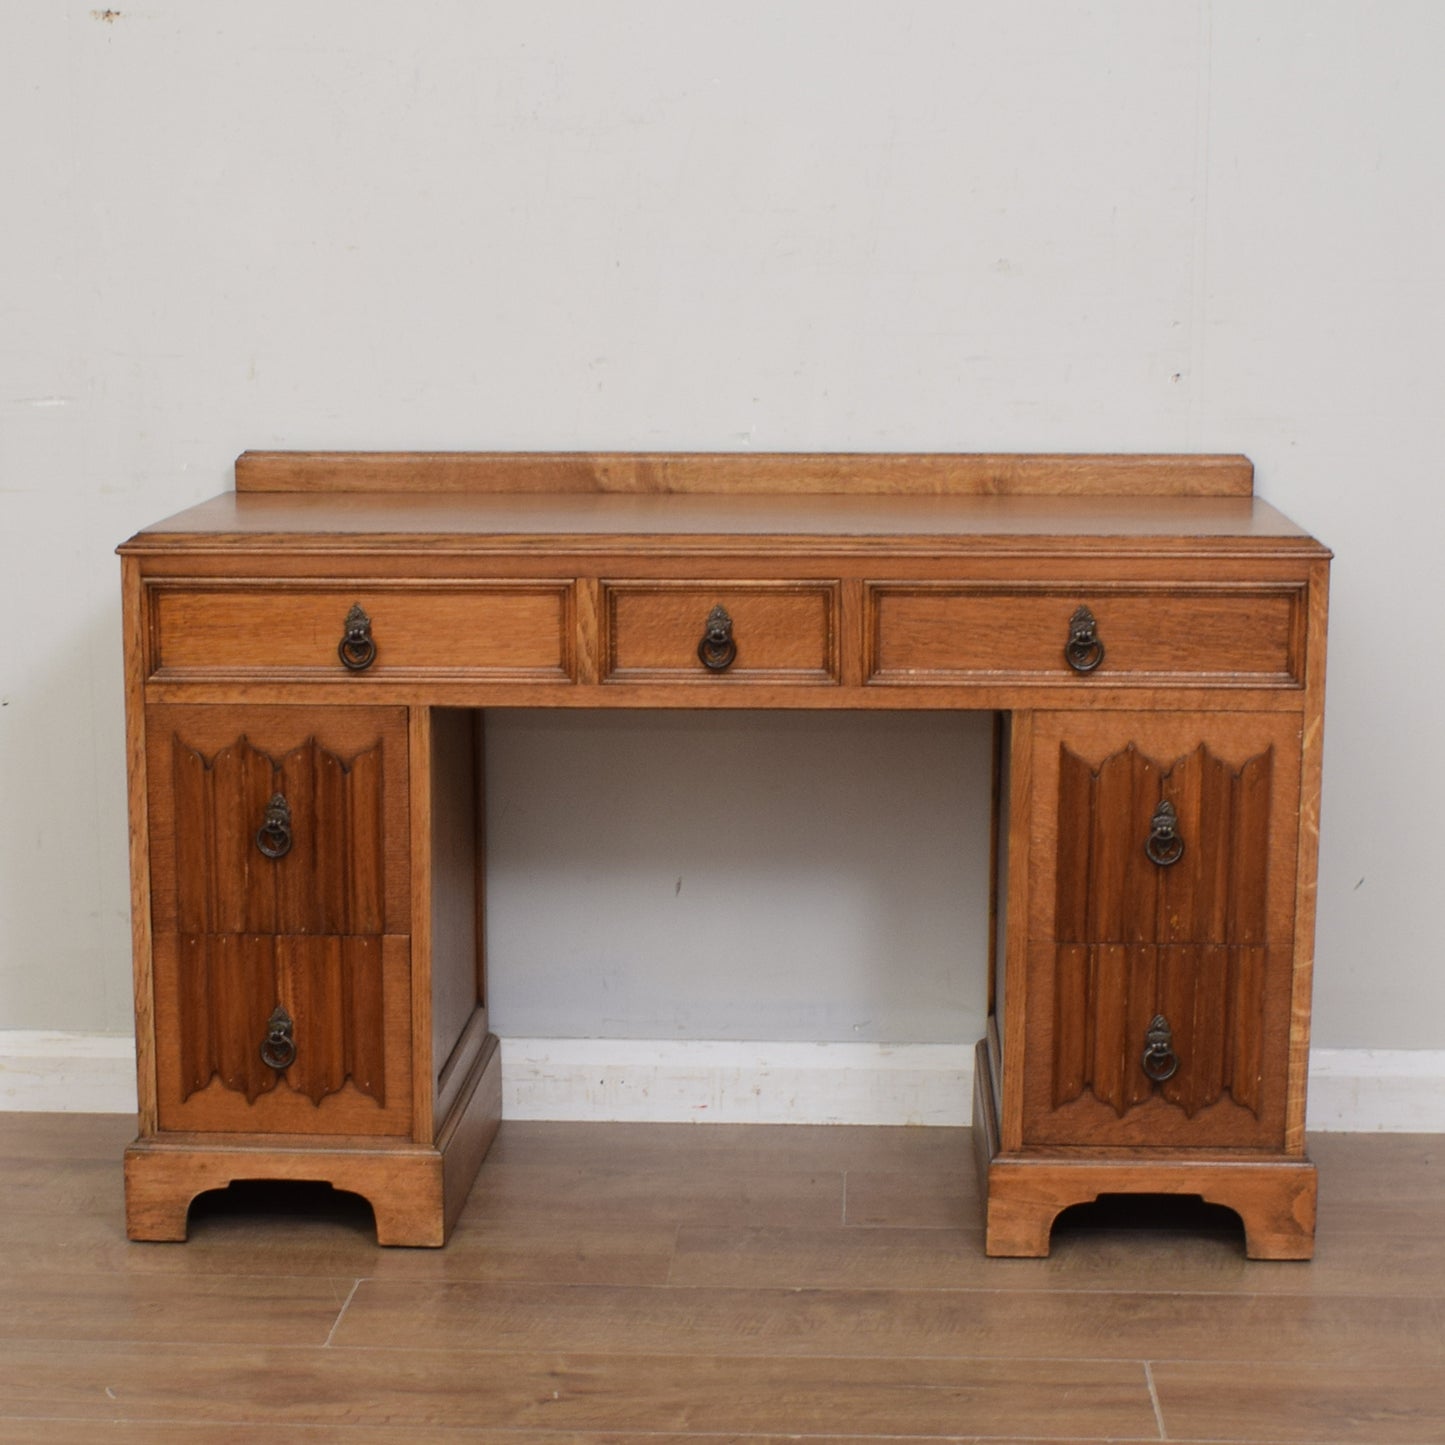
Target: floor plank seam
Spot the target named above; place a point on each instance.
(751, 1357)
(667, 1278)
(541, 1285)
(1154, 1400)
(341, 1314)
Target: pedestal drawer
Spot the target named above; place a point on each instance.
(303, 1035)
(278, 819)
(1249, 636)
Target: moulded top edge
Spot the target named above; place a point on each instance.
(526, 522)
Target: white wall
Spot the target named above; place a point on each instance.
(739, 875)
(1153, 224)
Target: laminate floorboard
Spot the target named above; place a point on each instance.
(1302, 1402)
(285, 1386)
(705, 1283)
(1118, 1259)
(48, 1432)
(894, 1324)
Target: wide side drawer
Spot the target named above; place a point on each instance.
(504, 631)
(712, 632)
(1220, 634)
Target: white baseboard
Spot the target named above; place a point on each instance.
(66, 1073)
(736, 1083)
(1357, 1090)
(1398, 1091)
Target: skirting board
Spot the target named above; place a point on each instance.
(67, 1073)
(1358, 1090)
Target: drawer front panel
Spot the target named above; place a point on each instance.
(921, 634)
(330, 857)
(295, 1035)
(1156, 1046)
(503, 631)
(781, 631)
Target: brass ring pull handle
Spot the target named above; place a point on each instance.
(717, 649)
(278, 1049)
(1159, 1062)
(273, 837)
(1164, 846)
(356, 648)
(1083, 651)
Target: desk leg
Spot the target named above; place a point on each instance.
(416, 1191)
(1273, 1194)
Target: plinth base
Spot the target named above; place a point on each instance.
(1024, 1192)
(416, 1191)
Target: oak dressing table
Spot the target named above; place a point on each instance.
(309, 660)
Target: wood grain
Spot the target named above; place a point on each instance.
(508, 630)
(166, 1310)
(682, 1194)
(286, 1387)
(1305, 1402)
(887, 1323)
(344, 773)
(449, 893)
(401, 1181)
(1307, 878)
(421, 795)
(441, 1435)
(134, 627)
(442, 525)
(349, 999)
(1175, 1248)
(1398, 1192)
(906, 1198)
(35, 1432)
(745, 472)
(783, 631)
(610, 1321)
(1137, 941)
(1206, 942)
(951, 633)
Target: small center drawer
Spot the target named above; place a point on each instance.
(921, 633)
(519, 631)
(709, 632)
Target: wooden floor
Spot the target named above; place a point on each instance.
(671, 1283)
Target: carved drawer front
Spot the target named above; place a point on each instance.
(1220, 635)
(1160, 956)
(708, 632)
(503, 631)
(278, 820)
(291, 1034)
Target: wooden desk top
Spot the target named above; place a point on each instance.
(901, 502)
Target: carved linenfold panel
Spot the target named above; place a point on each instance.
(1108, 889)
(1134, 939)
(229, 985)
(1106, 996)
(332, 878)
